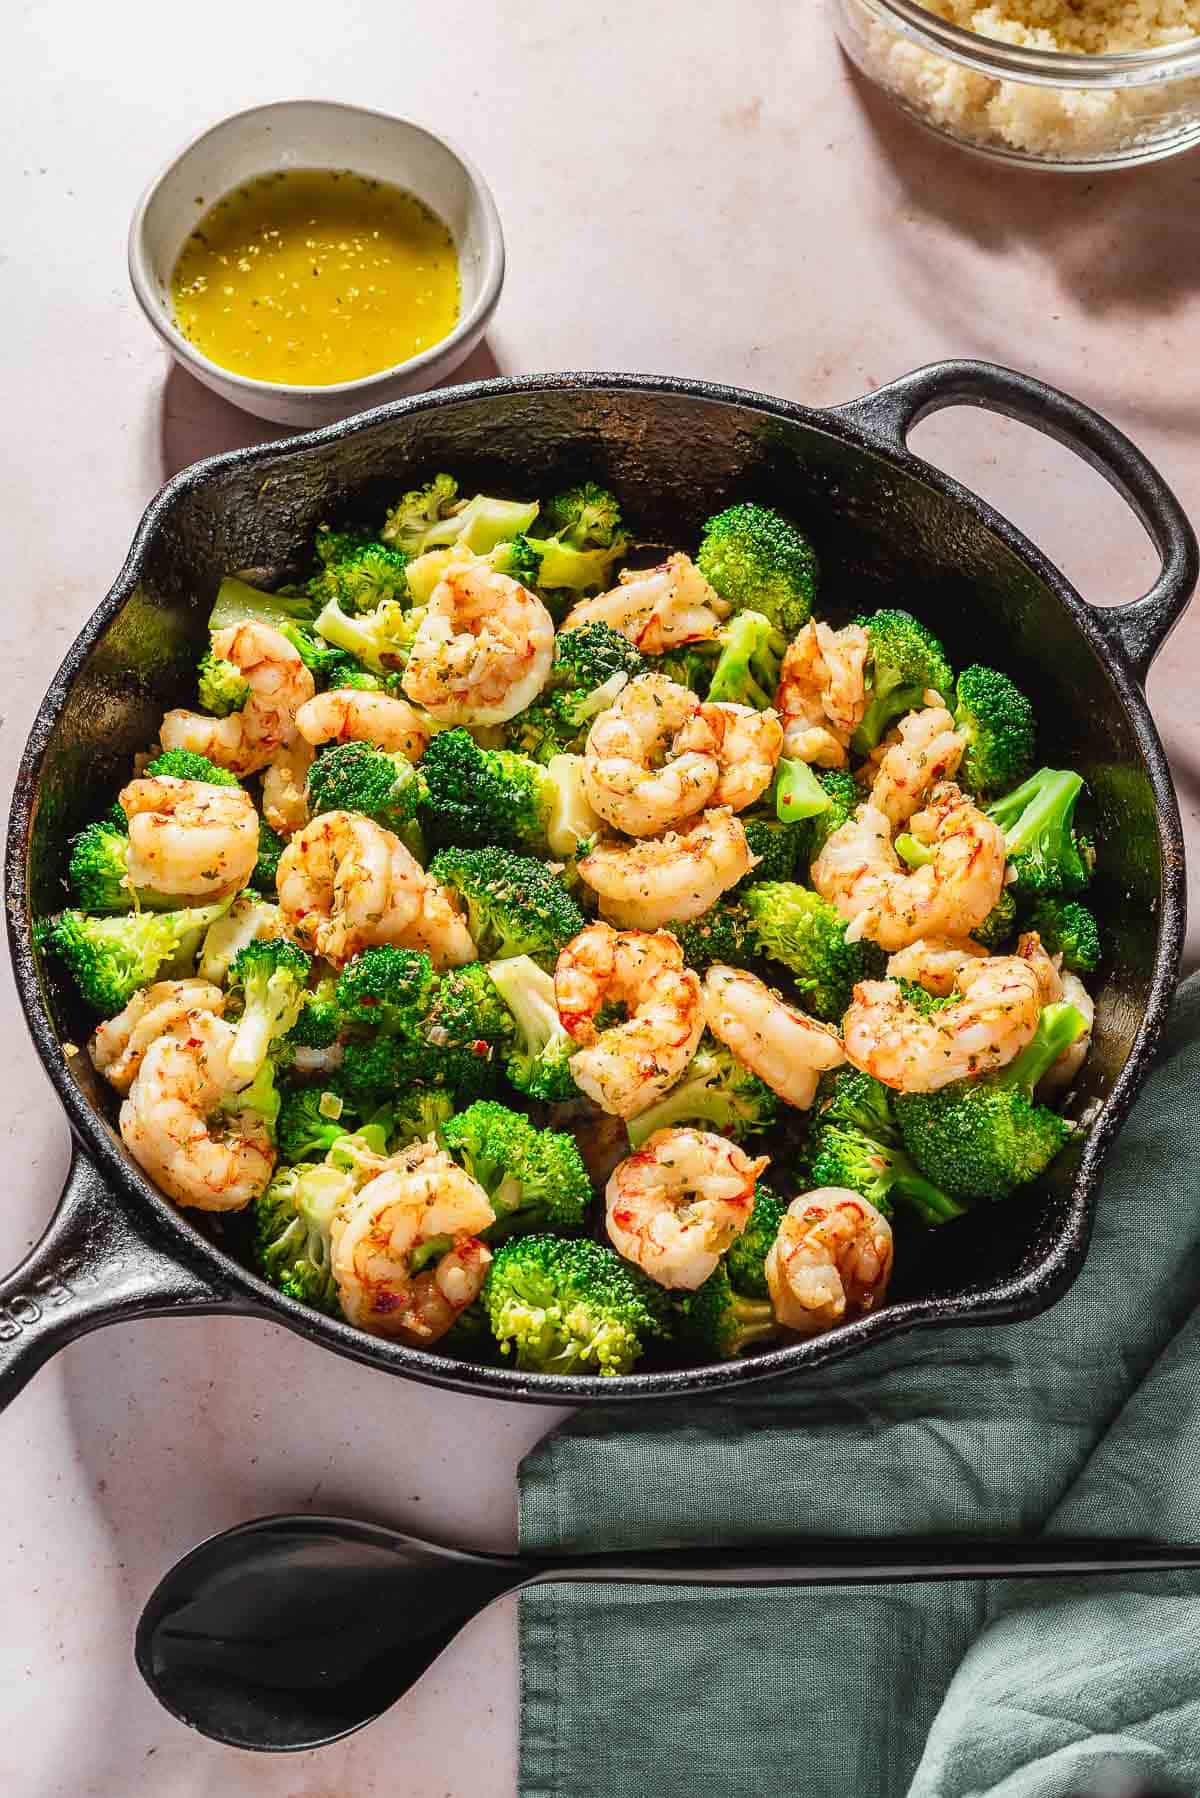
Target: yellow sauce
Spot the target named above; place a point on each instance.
(311, 276)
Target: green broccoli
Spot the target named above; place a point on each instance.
(592, 665)
(514, 905)
(718, 1091)
(980, 1139)
(845, 1156)
(271, 976)
(586, 516)
(482, 524)
(904, 659)
(534, 1178)
(538, 1062)
(1043, 850)
(238, 603)
(855, 1100)
(566, 1305)
(776, 845)
(319, 1022)
(689, 666)
(747, 669)
(311, 1118)
(844, 799)
(745, 1261)
(416, 512)
(467, 1010)
(999, 925)
(358, 572)
(293, 1221)
(996, 720)
(722, 934)
(98, 870)
(797, 793)
(484, 796)
(185, 764)
(759, 562)
(808, 936)
(518, 559)
(222, 687)
(1070, 930)
(383, 786)
(383, 1068)
(418, 1115)
(388, 988)
(331, 666)
(261, 1096)
(381, 640)
(912, 851)
(110, 958)
(270, 847)
(716, 1320)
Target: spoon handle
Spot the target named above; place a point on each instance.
(869, 1563)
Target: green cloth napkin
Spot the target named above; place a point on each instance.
(1083, 1420)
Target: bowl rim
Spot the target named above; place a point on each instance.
(469, 324)
(1047, 68)
(1022, 1294)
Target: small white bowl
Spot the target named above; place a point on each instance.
(320, 134)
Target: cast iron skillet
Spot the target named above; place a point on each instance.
(890, 530)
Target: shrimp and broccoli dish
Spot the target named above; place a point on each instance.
(576, 961)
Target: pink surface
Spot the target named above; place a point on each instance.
(696, 191)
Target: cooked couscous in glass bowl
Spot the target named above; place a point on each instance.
(1066, 84)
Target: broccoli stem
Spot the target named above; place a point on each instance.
(251, 1042)
(1058, 1027)
(798, 793)
(929, 1202)
(1045, 801)
(912, 851)
(690, 1102)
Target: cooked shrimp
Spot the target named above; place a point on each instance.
(181, 1125)
(189, 838)
(119, 1045)
(627, 1067)
(677, 1204)
(747, 745)
(859, 872)
(671, 878)
(928, 750)
(650, 762)
(285, 806)
(483, 650)
(656, 608)
(784, 1047)
(990, 1022)
(1061, 1072)
(934, 962)
(1046, 971)
(822, 693)
(345, 883)
(246, 741)
(421, 1197)
(831, 1260)
(351, 715)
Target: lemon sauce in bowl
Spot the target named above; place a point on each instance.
(310, 277)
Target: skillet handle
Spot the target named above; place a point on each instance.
(1138, 629)
(95, 1265)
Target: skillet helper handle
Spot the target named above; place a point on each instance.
(1139, 628)
(93, 1266)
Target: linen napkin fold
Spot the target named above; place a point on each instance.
(1085, 1420)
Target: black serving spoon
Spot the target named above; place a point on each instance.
(289, 1632)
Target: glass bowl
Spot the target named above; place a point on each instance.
(1043, 108)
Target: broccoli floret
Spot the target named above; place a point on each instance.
(514, 905)
(797, 793)
(358, 572)
(392, 1067)
(311, 1118)
(997, 722)
(586, 517)
(185, 764)
(383, 786)
(381, 640)
(979, 1139)
(271, 974)
(592, 665)
(292, 1224)
(569, 572)
(717, 1090)
(270, 847)
(844, 1156)
(388, 988)
(777, 847)
(467, 1010)
(844, 799)
(1043, 851)
(518, 559)
(99, 874)
(332, 667)
(415, 513)
(223, 688)
(747, 669)
(110, 958)
(803, 931)
(538, 1062)
(237, 602)
(745, 1261)
(999, 924)
(722, 934)
(534, 1178)
(690, 666)
(418, 1115)
(484, 796)
(588, 657)
(565, 1305)
(1070, 930)
(759, 562)
(851, 1098)
(903, 660)
(715, 1320)
(319, 1022)
(483, 524)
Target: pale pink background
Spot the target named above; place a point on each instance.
(697, 189)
